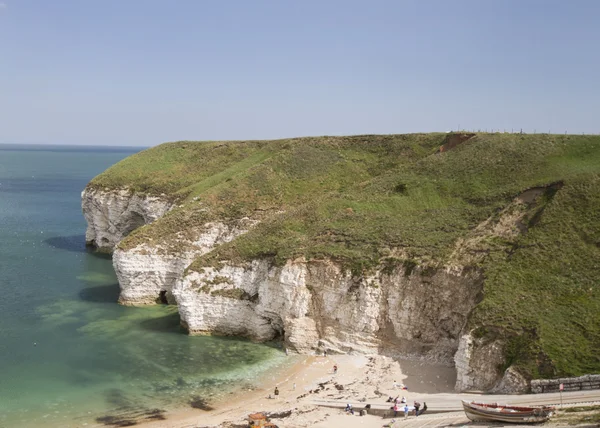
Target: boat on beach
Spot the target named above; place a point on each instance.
(500, 413)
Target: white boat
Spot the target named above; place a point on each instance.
(500, 413)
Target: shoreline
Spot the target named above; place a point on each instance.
(225, 407)
(239, 403)
(360, 378)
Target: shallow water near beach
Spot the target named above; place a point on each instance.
(69, 355)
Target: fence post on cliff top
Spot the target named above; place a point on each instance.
(560, 388)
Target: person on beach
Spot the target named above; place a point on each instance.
(403, 400)
(276, 392)
(405, 411)
(334, 369)
(396, 409)
(325, 353)
(349, 409)
(417, 406)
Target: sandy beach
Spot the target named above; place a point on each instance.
(359, 379)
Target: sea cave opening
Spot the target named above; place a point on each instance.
(162, 297)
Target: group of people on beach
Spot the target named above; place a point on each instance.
(363, 412)
(406, 409)
(401, 405)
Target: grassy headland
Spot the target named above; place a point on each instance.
(360, 199)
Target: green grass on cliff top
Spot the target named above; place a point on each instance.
(356, 199)
(271, 177)
(543, 291)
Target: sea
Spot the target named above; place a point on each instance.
(70, 356)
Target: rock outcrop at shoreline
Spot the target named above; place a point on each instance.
(332, 245)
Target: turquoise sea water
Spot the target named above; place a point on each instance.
(69, 355)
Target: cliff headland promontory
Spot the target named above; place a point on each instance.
(476, 250)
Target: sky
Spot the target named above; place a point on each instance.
(142, 72)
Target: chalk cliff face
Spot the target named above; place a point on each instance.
(421, 312)
(148, 272)
(478, 365)
(317, 304)
(113, 214)
(310, 305)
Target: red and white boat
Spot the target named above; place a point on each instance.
(500, 413)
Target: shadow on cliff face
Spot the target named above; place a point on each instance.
(167, 324)
(101, 294)
(76, 244)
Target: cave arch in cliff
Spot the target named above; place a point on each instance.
(132, 222)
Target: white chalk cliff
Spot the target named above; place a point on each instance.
(317, 304)
(147, 273)
(477, 363)
(112, 214)
(414, 311)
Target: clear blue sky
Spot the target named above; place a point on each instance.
(142, 72)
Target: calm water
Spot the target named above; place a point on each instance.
(68, 353)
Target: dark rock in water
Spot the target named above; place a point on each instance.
(155, 414)
(116, 421)
(132, 417)
(200, 403)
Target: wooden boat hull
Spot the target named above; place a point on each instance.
(531, 415)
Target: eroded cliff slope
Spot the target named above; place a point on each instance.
(484, 254)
